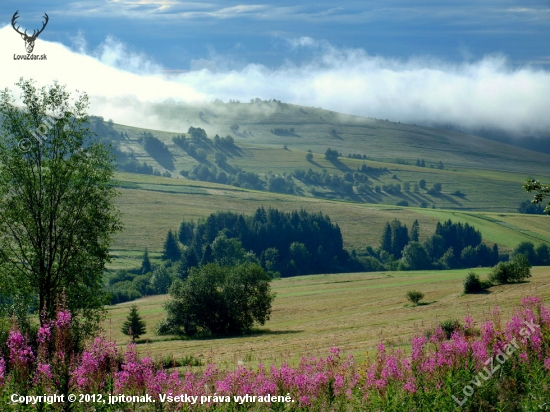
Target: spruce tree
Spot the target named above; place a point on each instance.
(415, 231)
(171, 249)
(134, 325)
(386, 241)
(145, 263)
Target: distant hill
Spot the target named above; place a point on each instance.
(381, 162)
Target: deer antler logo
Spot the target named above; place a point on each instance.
(29, 40)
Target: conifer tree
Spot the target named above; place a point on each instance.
(134, 325)
(386, 241)
(171, 249)
(145, 263)
(415, 231)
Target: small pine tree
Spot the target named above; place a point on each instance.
(134, 325)
(145, 262)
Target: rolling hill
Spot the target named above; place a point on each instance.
(481, 179)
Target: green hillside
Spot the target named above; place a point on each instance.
(475, 174)
(156, 204)
(481, 180)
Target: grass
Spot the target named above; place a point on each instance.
(352, 311)
(488, 173)
(149, 212)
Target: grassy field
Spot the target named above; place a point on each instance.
(351, 311)
(158, 204)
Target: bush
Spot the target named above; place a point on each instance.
(512, 271)
(218, 300)
(472, 283)
(449, 326)
(415, 296)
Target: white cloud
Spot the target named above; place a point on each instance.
(487, 93)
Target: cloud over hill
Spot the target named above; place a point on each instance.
(488, 93)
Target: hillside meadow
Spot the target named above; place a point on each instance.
(152, 205)
(351, 311)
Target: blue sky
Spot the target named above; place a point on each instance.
(175, 33)
(474, 64)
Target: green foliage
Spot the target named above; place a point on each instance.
(516, 270)
(541, 190)
(57, 213)
(273, 229)
(309, 157)
(134, 325)
(415, 231)
(528, 250)
(472, 284)
(415, 296)
(416, 257)
(331, 154)
(543, 254)
(219, 300)
(435, 189)
(227, 252)
(145, 262)
(171, 249)
(529, 208)
(161, 280)
(124, 291)
(449, 326)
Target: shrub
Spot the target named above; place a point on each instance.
(415, 296)
(449, 326)
(512, 271)
(472, 283)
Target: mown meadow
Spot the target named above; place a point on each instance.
(354, 312)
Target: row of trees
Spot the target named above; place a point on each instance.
(289, 244)
(453, 245)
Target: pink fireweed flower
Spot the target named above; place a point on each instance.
(410, 386)
(43, 373)
(546, 364)
(2, 370)
(523, 357)
(417, 346)
(545, 316)
(468, 322)
(20, 352)
(479, 350)
(531, 302)
(438, 336)
(63, 319)
(44, 334)
(391, 369)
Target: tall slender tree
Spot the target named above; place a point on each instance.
(171, 249)
(415, 231)
(145, 262)
(57, 211)
(386, 241)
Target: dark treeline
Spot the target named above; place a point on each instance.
(452, 246)
(529, 208)
(285, 244)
